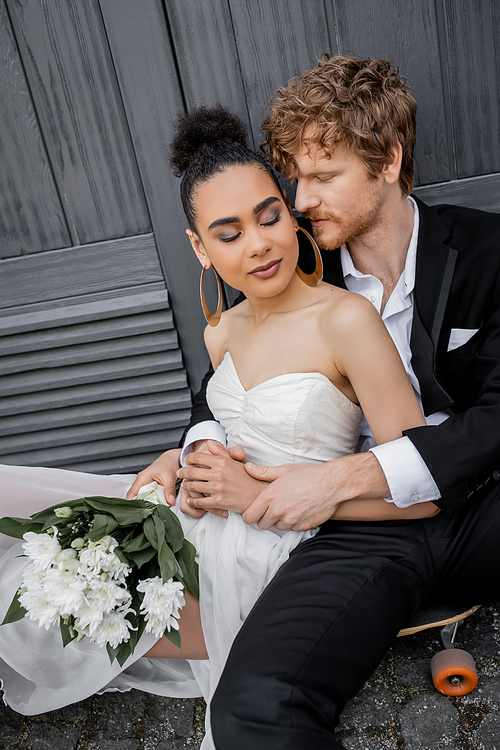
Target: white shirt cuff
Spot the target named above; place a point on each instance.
(208, 430)
(410, 481)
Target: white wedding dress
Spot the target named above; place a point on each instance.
(293, 418)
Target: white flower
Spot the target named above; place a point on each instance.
(33, 577)
(41, 548)
(152, 493)
(106, 595)
(161, 604)
(64, 590)
(39, 607)
(113, 629)
(94, 561)
(87, 618)
(112, 565)
(91, 561)
(67, 561)
(65, 512)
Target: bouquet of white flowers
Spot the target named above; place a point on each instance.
(106, 568)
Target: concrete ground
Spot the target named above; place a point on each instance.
(398, 708)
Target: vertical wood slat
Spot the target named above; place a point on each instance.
(472, 46)
(147, 75)
(207, 78)
(405, 33)
(67, 60)
(276, 41)
(26, 223)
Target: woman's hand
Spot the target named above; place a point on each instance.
(217, 480)
(163, 471)
(189, 497)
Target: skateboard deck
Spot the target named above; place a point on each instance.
(437, 616)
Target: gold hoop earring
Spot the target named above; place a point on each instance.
(312, 279)
(213, 319)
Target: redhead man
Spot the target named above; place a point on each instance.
(344, 132)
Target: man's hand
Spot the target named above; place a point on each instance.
(303, 496)
(163, 471)
(220, 477)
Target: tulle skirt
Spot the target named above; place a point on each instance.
(236, 562)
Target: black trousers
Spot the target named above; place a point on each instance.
(329, 616)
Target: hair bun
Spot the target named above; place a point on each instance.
(201, 127)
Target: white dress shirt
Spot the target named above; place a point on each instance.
(407, 475)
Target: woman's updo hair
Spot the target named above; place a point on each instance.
(207, 141)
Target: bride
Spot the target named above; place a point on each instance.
(295, 364)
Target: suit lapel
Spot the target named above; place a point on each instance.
(433, 278)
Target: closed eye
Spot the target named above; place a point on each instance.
(273, 221)
(229, 237)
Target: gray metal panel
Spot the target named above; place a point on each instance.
(79, 270)
(476, 192)
(67, 60)
(147, 73)
(106, 388)
(471, 39)
(27, 223)
(407, 34)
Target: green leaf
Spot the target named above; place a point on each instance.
(112, 652)
(16, 611)
(142, 556)
(136, 544)
(53, 520)
(173, 636)
(189, 567)
(166, 559)
(155, 532)
(16, 527)
(77, 505)
(137, 620)
(102, 525)
(125, 512)
(67, 632)
(174, 534)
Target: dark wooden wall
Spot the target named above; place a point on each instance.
(100, 326)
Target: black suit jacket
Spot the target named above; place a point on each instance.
(457, 286)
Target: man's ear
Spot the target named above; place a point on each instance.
(392, 168)
(198, 249)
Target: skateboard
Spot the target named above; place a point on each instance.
(453, 670)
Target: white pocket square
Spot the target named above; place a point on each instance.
(460, 336)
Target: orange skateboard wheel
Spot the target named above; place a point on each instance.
(454, 672)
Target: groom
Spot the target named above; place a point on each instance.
(345, 132)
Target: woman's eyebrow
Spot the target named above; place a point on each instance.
(225, 220)
(235, 219)
(264, 204)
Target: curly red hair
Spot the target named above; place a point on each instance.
(366, 105)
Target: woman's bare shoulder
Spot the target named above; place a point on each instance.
(217, 337)
(347, 309)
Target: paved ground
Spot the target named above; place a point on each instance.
(398, 708)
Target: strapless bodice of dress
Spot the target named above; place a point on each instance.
(291, 418)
